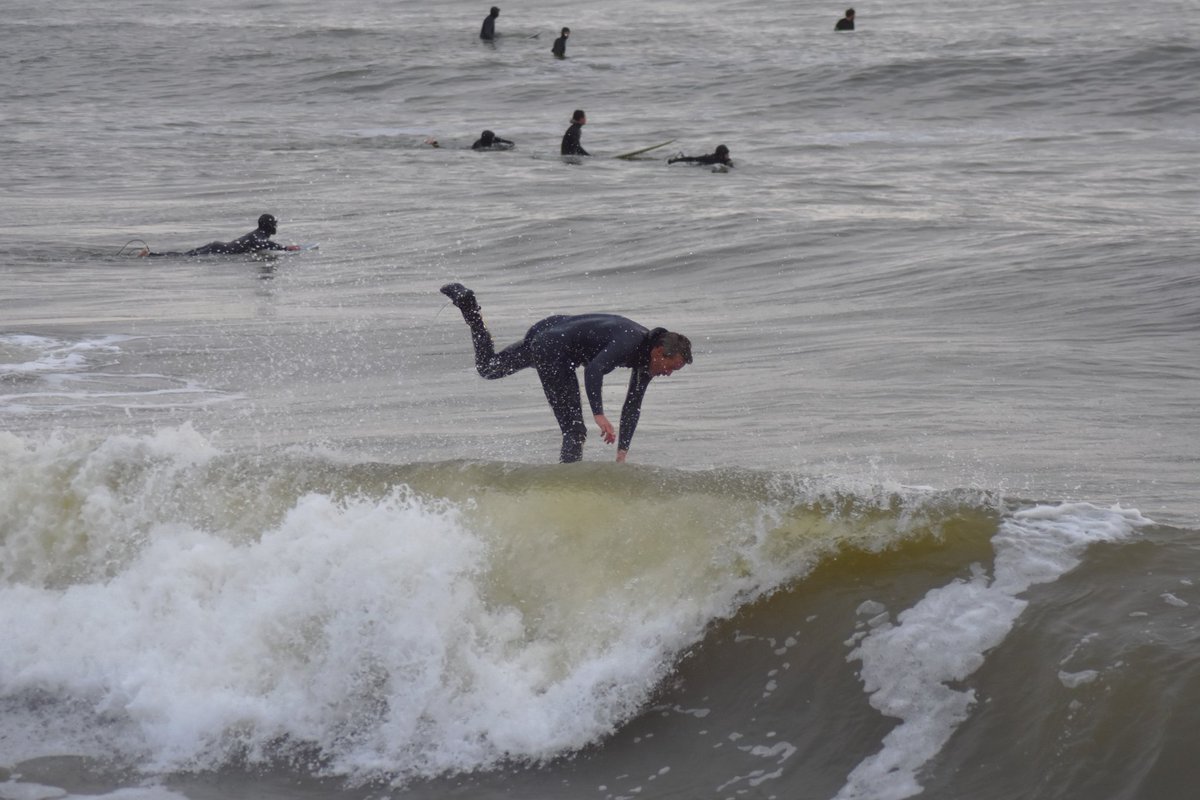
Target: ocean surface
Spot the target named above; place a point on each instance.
(922, 519)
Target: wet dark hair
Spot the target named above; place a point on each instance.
(578, 115)
(487, 137)
(675, 344)
(565, 31)
(266, 224)
(495, 11)
(722, 150)
(849, 12)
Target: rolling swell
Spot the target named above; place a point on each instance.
(407, 621)
(174, 607)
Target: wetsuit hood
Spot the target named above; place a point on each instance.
(266, 224)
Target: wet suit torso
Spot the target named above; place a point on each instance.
(495, 144)
(570, 141)
(253, 242)
(489, 28)
(560, 47)
(711, 158)
(844, 24)
(556, 347)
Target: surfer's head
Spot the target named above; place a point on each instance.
(266, 224)
(849, 13)
(669, 352)
(495, 11)
(579, 116)
(722, 151)
(487, 137)
(566, 32)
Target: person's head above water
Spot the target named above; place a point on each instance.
(579, 116)
(566, 32)
(487, 138)
(266, 224)
(669, 352)
(495, 11)
(849, 13)
(722, 150)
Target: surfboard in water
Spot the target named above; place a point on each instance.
(634, 153)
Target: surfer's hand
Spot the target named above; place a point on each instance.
(292, 247)
(606, 429)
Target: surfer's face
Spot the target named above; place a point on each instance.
(662, 365)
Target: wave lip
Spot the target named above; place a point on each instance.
(908, 666)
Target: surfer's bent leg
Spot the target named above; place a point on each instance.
(561, 386)
(488, 363)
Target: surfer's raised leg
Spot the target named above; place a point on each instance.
(488, 363)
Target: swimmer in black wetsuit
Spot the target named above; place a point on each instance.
(255, 241)
(846, 23)
(490, 141)
(557, 345)
(559, 48)
(488, 31)
(570, 140)
(718, 156)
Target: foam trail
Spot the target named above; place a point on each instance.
(944, 637)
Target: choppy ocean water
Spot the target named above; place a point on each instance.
(920, 519)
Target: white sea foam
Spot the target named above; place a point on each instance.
(22, 790)
(906, 667)
(52, 375)
(26, 354)
(399, 634)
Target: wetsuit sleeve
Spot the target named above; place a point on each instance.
(631, 412)
(614, 355)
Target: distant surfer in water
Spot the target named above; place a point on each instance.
(255, 241)
(718, 156)
(570, 140)
(846, 23)
(490, 141)
(560, 44)
(488, 32)
(558, 345)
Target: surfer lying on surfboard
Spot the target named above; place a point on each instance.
(255, 241)
(718, 156)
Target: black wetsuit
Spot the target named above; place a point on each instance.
(253, 242)
(560, 47)
(555, 347)
(570, 141)
(711, 158)
(495, 143)
(844, 24)
(488, 31)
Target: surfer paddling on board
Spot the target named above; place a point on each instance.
(557, 345)
(570, 140)
(255, 241)
(488, 31)
(490, 141)
(718, 156)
